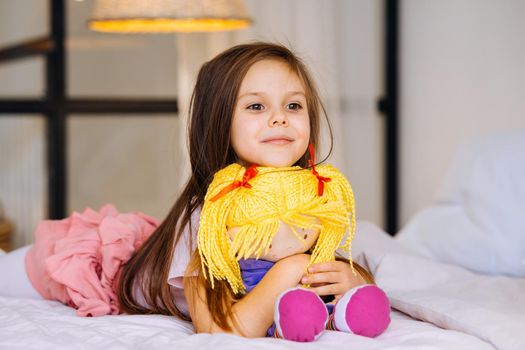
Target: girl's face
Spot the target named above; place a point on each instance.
(270, 125)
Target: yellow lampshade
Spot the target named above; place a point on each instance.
(164, 16)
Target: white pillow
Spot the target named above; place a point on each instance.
(13, 278)
(478, 219)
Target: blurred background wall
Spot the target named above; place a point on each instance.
(461, 74)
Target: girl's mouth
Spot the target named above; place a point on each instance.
(278, 141)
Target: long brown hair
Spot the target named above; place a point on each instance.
(211, 112)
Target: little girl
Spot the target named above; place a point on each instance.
(253, 104)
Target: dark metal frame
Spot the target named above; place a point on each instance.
(56, 106)
(389, 106)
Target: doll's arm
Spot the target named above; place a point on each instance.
(254, 312)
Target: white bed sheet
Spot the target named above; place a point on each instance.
(37, 324)
(441, 307)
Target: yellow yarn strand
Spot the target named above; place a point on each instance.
(287, 195)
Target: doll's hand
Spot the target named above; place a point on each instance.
(332, 278)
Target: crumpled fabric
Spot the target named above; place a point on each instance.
(252, 271)
(78, 260)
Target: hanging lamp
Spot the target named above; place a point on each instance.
(166, 16)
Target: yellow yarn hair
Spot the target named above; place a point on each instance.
(288, 194)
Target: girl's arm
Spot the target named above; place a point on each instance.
(254, 312)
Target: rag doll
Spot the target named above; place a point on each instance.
(242, 213)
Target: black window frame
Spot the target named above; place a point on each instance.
(56, 106)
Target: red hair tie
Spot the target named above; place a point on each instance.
(320, 179)
(248, 175)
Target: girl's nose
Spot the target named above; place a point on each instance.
(279, 122)
(279, 119)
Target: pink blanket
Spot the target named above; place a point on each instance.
(77, 260)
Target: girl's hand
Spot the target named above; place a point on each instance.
(332, 278)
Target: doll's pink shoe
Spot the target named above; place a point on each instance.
(300, 315)
(363, 310)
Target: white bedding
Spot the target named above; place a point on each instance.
(441, 307)
(32, 324)
(476, 218)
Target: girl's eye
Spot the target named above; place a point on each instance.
(294, 106)
(256, 107)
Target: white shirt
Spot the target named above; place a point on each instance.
(181, 259)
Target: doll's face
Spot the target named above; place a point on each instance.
(270, 125)
(284, 242)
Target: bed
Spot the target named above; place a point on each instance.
(453, 279)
